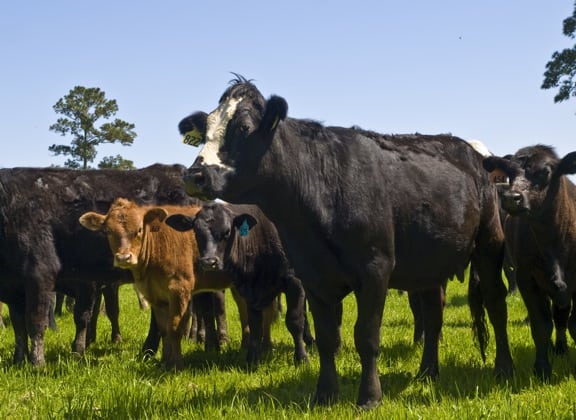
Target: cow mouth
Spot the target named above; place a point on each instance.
(513, 206)
(123, 265)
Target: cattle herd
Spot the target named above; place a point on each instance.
(311, 212)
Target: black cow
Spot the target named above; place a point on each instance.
(359, 212)
(44, 249)
(541, 238)
(256, 263)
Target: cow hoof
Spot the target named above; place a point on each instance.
(543, 372)
(301, 359)
(324, 398)
(561, 348)
(427, 374)
(368, 405)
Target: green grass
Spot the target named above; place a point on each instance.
(113, 381)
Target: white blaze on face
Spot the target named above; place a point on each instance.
(216, 124)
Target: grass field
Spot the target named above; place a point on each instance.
(113, 381)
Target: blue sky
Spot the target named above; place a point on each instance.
(473, 69)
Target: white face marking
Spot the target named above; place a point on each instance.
(216, 124)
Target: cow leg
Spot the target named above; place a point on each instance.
(111, 301)
(192, 326)
(204, 308)
(1, 318)
(152, 341)
(415, 302)
(431, 307)
(487, 270)
(308, 336)
(93, 322)
(59, 303)
(255, 341)
(572, 319)
(18, 320)
(295, 317)
(243, 315)
(541, 327)
(560, 317)
(36, 316)
(327, 321)
(270, 315)
(219, 305)
(85, 301)
(142, 302)
(51, 317)
(163, 320)
(176, 319)
(370, 302)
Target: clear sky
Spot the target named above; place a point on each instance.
(473, 69)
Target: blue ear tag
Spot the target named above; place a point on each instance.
(244, 228)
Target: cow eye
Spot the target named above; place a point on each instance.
(226, 233)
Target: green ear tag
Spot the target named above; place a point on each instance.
(244, 228)
(193, 137)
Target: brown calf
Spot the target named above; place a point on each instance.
(161, 261)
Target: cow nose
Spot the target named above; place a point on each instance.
(512, 200)
(195, 176)
(122, 257)
(209, 262)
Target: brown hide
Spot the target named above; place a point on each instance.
(161, 261)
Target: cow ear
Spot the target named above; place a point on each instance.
(193, 128)
(244, 223)
(276, 110)
(490, 163)
(180, 222)
(155, 213)
(92, 221)
(567, 165)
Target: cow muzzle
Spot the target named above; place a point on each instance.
(195, 181)
(124, 260)
(211, 263)
(205, 181)
(514, 202)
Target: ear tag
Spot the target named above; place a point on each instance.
(498, 176)
(193, 137)
(244, 228)
(275, 123)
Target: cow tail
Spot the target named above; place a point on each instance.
(476, 304)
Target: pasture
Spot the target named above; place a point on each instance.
(113, 381)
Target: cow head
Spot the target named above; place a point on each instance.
(534, 175)
(238, 133)
(124, 226)
(216, 228)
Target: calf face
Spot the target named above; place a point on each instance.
(124, 227)
(533, 173)
(215, 227)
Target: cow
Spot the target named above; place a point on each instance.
(540, 235)
(359, 212)
(163, 263)
(43, 248)
(240, 240)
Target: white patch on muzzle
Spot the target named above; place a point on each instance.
(216, 125)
